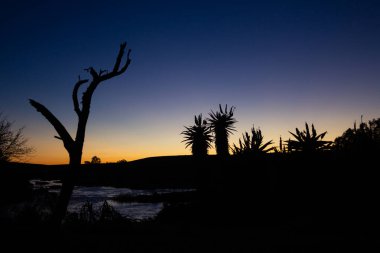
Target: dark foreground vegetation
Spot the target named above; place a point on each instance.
(307, 195)
(277, 202)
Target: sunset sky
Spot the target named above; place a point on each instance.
(280, 63)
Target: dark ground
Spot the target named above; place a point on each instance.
(263, 204)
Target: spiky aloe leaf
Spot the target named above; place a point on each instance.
(253, 144)
(198, 136)
(304, 141)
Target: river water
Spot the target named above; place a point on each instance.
(97, 195)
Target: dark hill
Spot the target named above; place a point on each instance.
(162, 172)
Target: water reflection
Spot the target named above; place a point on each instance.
(50, 185)
(97, 195)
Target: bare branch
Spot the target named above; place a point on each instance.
(61, 130)
(93, 72)
(124, 68)
(75, 95)
(101, 71)
(119, 57)
(116, 69)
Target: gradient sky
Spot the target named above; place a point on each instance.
(280, 63)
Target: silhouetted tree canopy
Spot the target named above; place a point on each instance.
(13, 145)
(122, 161)
(364, 139)
(96, 160)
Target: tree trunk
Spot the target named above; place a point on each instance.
(64, 198)
(68, 183)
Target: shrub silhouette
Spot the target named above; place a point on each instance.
(374, 126)
(222, 124)
(108, 214)
(88, 215)
(308, 142)
(198, 137)
(252, 145)
(122, 161)
(365, 139)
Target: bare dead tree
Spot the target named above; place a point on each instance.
(74, 147)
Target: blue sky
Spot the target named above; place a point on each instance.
(280, 63)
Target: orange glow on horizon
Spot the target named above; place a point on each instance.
(137, 143)
(59, 156)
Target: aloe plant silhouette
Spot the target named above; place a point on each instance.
(198, 136)
(222, 124)
(308, 142)
(252, 145)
